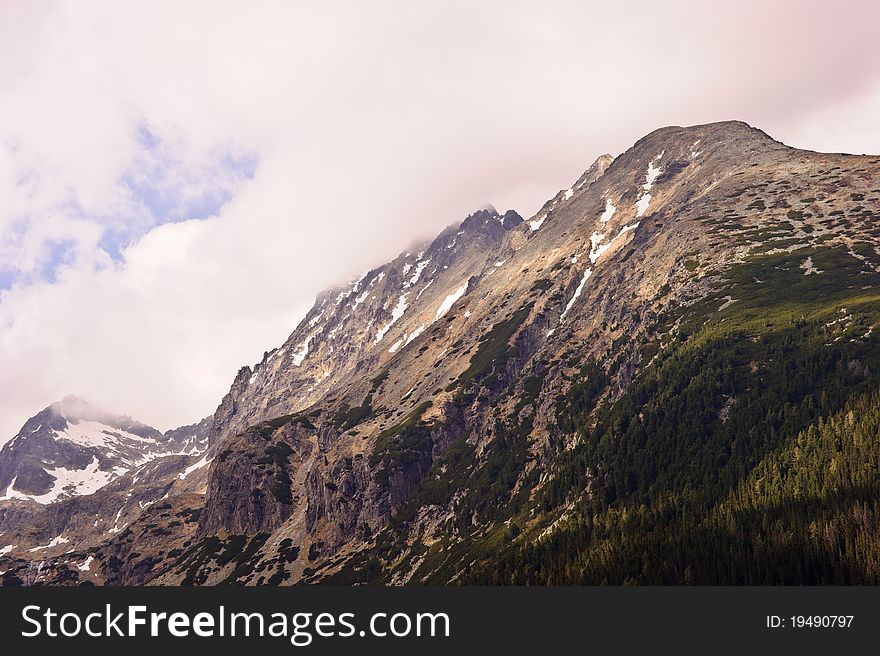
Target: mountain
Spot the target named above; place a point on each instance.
(73, 448)
(76, 474)
(668, 375)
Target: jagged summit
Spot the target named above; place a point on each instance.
(487, 220)
(72, 448)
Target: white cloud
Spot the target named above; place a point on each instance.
(369, 124)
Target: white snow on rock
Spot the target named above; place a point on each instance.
(68, 482)
(93, 433)
(598, 246)
(406, 339)
(360, 299)
(569, 193)
(303, 351)
(86, 564)
(610, 209)
(577, 293)
(423, 289)
(116, 528)
(420, 266)
(537, 223)
(651, 176)
(418, 331)
(397, 312)
(625, 229)
(450, 300)
(204, 461)
(6, 549)
(54, 542)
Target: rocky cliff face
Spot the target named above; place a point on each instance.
(441, 410)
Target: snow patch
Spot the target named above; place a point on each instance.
(86, 564)
(610, 209)
(418, 331)
(650, 177)
(448, 302)
(420, 266)
(116, 528)
(537, 223)
(360, 299)
(598, 246)
(422, 290)
(397, 312)
(577, 293)
(54, 542)
(303, 351)
(93, 433)
(195, 466)
(68, 482)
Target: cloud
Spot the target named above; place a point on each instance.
(180, 179)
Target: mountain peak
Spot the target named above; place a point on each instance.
(489, 217)
(73, 448)
(722, 137)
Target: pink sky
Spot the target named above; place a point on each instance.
(315, 140)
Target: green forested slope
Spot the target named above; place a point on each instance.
(745, 452)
